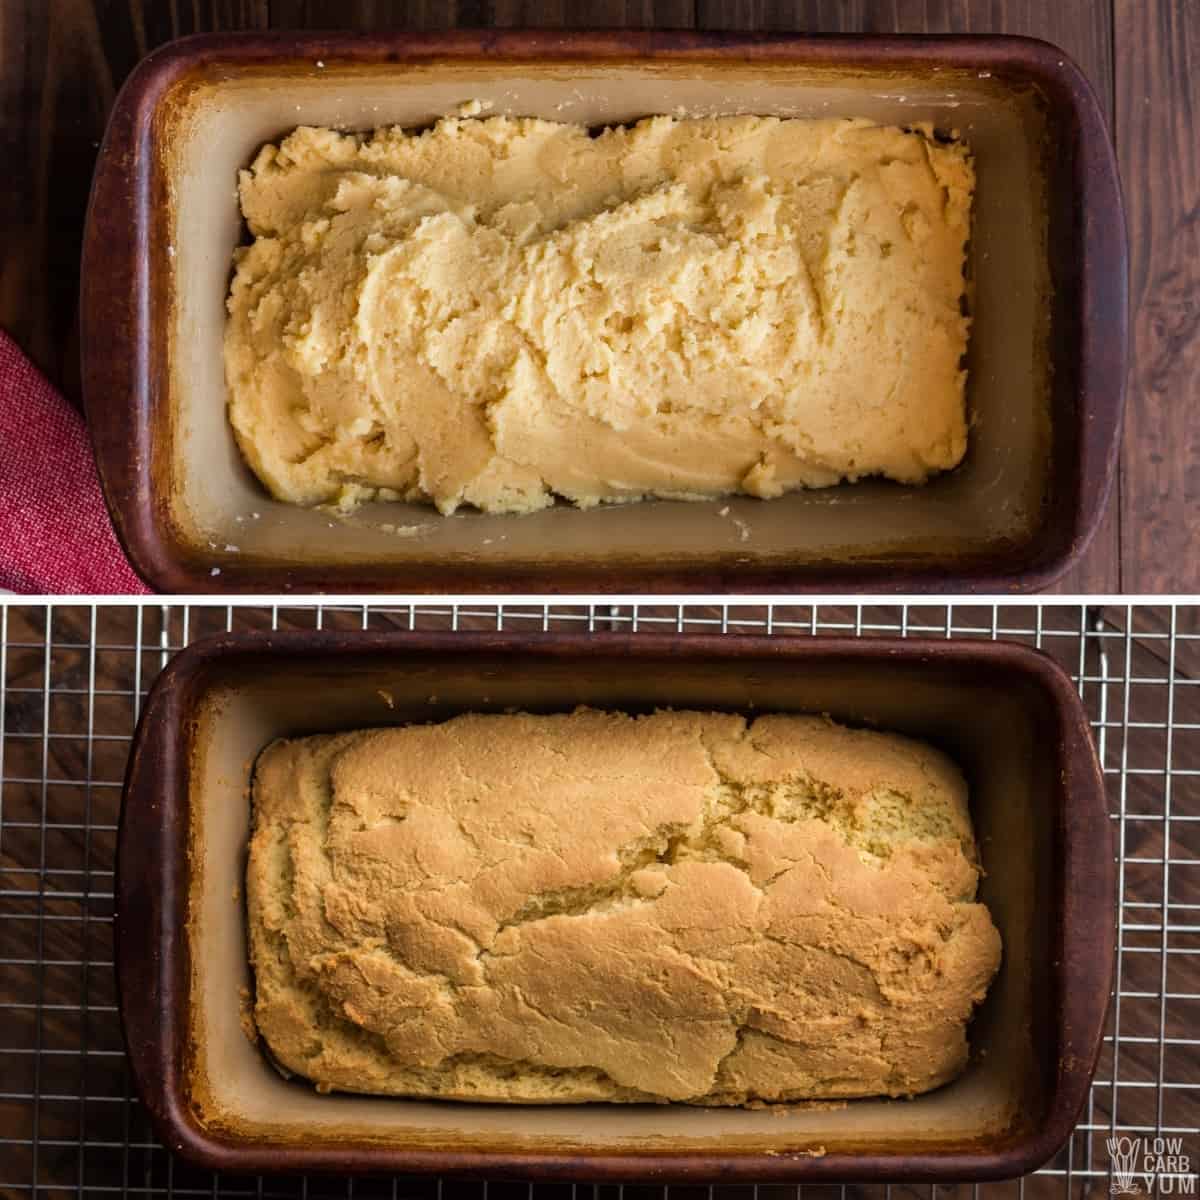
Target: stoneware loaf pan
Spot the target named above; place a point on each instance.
(1008, 715)
(1047, 267)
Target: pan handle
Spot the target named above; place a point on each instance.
(150, 891)
(1089, 891)
(1103, 248)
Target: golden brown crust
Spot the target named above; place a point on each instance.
(592, 906)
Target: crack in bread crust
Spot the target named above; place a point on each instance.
(682, 906)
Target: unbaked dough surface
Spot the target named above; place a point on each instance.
(500, 312)
(683, 906)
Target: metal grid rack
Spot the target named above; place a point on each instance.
(72, 680)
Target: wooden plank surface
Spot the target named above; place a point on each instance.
(63, 61)
(1158, 141)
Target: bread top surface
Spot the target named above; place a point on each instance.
(504, 311)
(682, 906)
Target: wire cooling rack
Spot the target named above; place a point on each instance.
(73, 678)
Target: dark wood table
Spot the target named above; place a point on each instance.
(61, 62)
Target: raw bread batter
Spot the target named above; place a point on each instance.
(500, 312)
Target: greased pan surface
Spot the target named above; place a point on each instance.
(1046, 359)
(1007, 714)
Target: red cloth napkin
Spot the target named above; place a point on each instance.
(55, 534)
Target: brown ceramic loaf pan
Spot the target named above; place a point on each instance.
(1047, 354)
(1007, 714)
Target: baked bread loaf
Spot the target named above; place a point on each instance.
(685, 906)
(500, 312)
